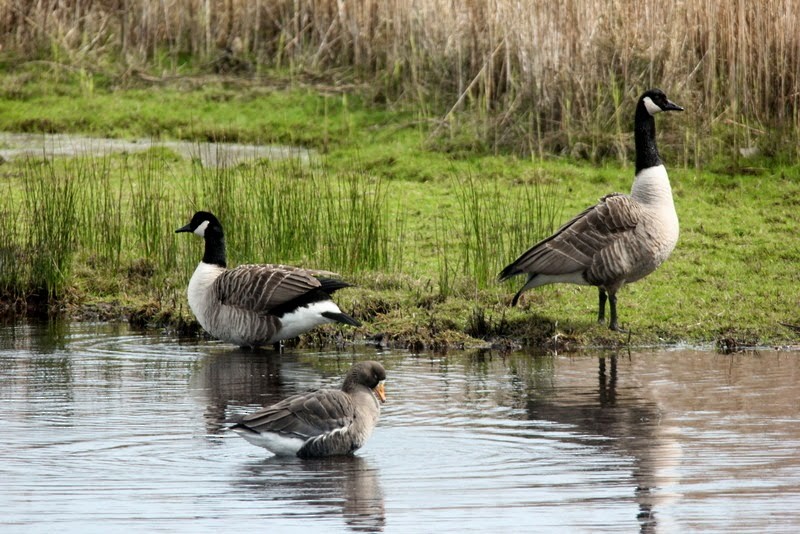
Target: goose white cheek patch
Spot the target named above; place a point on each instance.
(201, 230)
(652, 107)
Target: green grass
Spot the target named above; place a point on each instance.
(43, 101)
(422, 229)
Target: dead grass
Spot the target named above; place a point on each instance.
(534, 76)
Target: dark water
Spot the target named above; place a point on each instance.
(102, 429)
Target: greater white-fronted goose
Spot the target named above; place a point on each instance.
(326, 422)
(255, 305)
(620, 240)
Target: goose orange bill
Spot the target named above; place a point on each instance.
(380, 391)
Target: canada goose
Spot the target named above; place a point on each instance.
(621, 239)
(326, 422)
(254, 305)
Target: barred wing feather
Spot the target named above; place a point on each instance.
(261, 288)
(306, 416)
(574, 246)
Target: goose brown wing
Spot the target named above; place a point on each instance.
(260, 288)
(573, 247)
(305, 416)
(280, 266)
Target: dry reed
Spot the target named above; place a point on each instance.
(536, 75)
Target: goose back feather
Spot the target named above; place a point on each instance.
(262, 288)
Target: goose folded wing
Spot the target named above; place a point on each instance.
(282, 267)
(304, 416)
(574, 245)
(261, 288)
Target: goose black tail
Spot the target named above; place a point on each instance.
(508, 272)
(341, 318)
(243, 427)
(331, 285)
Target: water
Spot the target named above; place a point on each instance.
(104, 429)
(16, 145)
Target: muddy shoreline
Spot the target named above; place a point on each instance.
(149, 317)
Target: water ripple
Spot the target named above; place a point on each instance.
(106, 429)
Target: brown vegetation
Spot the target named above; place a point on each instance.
(537, 76)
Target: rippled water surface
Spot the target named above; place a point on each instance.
(103, 429)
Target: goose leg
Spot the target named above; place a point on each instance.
(601, 312)
(612, 301)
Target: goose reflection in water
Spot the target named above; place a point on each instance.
(626, 415)
(347, 485)
(242, 380)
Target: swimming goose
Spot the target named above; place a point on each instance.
(620, 240)
(255, 305)
(326, 422)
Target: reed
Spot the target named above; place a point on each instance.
(287, 212)
(111, 218)
(12, 257)
(146, 201)
(99, 226)
(50, 215)
(115, 216)
(361, 237)
(498, 223)
(529, 76)
(445, 271)
(270, 210)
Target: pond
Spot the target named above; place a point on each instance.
(106, 429)
(21, 145)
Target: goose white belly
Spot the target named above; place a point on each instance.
(278, 444)
(304, 319)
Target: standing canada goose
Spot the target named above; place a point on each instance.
(255, 305)
(621, 239)
(326, 422)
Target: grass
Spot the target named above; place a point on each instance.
(498, 222)
(422, 231)
(49, 215)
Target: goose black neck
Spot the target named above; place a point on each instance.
(215, 248)
(645, 138)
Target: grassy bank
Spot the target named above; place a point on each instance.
(422, 232)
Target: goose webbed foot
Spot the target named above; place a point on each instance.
(616, 328)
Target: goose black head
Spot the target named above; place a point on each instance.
(655, 101)
(203, 224)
